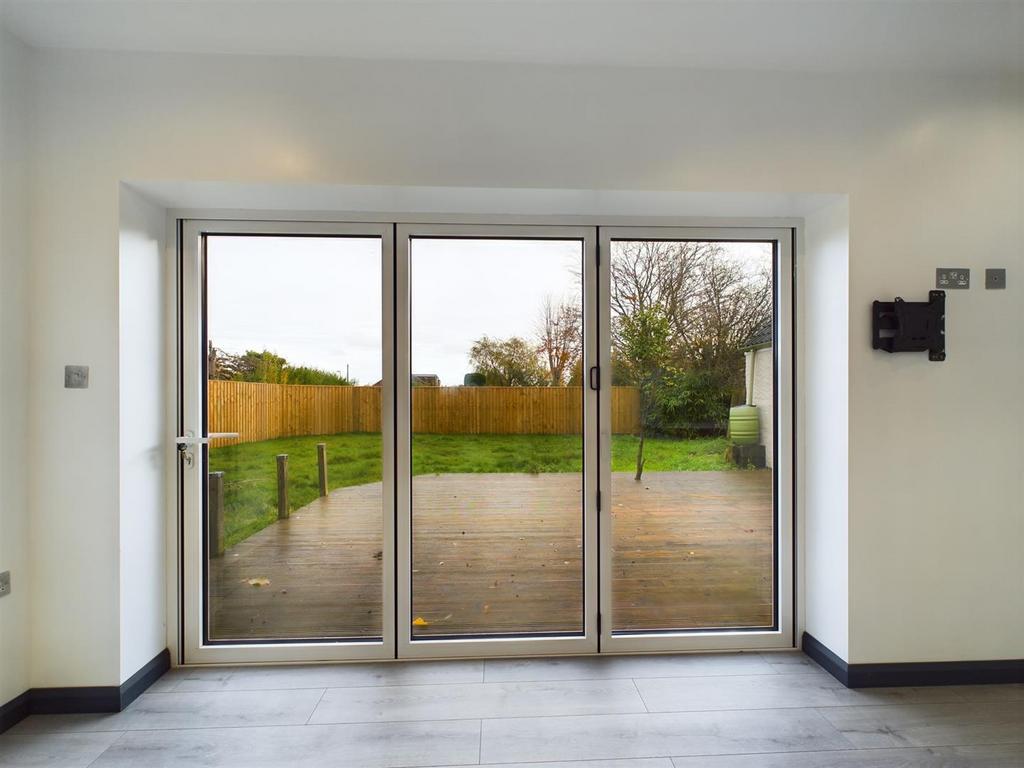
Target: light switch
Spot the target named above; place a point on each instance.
(76, 377)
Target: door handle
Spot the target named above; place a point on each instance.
(183, 441)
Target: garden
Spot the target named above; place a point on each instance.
(250, 472)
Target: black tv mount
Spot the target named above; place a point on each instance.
(911, 326)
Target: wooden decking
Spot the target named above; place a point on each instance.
(497, 553)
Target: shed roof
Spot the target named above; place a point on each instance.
(764, 336)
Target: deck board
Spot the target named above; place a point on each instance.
(499, 553)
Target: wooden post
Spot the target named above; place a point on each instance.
(282, 486)
(215, 513)
(321, 463)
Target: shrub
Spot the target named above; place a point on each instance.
(692, 403)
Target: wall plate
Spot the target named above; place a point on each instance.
(952, 278)
(5, 583)
(76, 377)
(995, 279)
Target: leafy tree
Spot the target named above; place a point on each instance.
(303, 374)
(645, 351)
(267, 367)
(254, 366)
(692, 403)
(508, 362)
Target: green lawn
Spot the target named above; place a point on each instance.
(250, 470)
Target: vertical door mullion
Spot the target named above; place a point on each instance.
(604, 453)
(592, 566)
(784, 455)
(192, 408)
(388, 432)
(403, 445)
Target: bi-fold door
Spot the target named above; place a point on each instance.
(696, 522)
(278, 320)
(463, 440)
(497, 466)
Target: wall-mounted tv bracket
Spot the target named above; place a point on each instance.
(911, 326)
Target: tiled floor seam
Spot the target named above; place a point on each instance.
(816, 709)
(315, 688)
(672, 758)
(315, 707)
(629, 677)
(875, 750)
(833, 726)
(474, 682)
(109, 747)
(531, 717)
(640, 694)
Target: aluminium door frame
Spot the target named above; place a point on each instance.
(188, 224)
(477, 646)
(196, 649)
(782, 635)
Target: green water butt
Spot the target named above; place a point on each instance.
(744, 425)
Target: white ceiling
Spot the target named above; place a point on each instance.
(822, 35)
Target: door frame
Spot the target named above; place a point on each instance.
(187, 225)
(782, 635)
(192, 487)
(526, 645)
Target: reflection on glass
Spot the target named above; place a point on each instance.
(497, 446)
(692, 408)
(294, 366)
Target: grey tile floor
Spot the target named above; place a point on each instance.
(747, 710)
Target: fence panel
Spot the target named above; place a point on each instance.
(267, 411)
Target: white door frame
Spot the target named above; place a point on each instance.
(193, 487)
(782, 635)
(395, 421)
(497, 646)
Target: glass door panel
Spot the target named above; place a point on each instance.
(694, 355)
(293, 470)
(497, 504)
(462, 440)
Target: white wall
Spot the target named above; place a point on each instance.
(143, 444)
(14, 250)
(762, 394)
(823, 389)
(936, 488)
(931, 166)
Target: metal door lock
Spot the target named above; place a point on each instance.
(187, 443)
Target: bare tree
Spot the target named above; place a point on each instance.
(733, 303)
(711, 301)
(660, 273)
(560, 336)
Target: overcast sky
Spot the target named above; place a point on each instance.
(465, 289)
(316, 301)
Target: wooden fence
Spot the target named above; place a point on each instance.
(267, 411)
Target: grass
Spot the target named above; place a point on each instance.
(250, 469)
